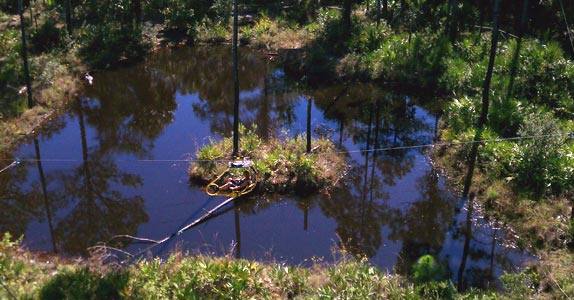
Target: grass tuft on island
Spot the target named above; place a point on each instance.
(282, 162)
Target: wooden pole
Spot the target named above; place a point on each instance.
(309, 125)
(235, 85)
(25, 55)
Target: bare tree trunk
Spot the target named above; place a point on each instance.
(137, 9)
(69, 17)
(452, 24)
(378, 13)
(347, 7)
(386, 9)
(514, 65)
(488, 78)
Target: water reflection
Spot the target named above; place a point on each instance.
(425, 223)
(18, 207)
(120, 171)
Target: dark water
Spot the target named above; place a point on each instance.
(116, 164)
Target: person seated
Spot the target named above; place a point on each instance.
(235, 184)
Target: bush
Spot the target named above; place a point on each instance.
(179, 16)
(108, 44)
(520, 286)
(47, 37)
(540, 158)
(11, 75)
(212, 32)
(10, 68)
(85, 284)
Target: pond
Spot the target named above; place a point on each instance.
(117, 164)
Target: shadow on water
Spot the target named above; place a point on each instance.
(116, 164)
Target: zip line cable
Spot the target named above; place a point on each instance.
(569, 135)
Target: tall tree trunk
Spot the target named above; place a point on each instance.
(378, 13)
(488, 78)
(516, 56)
(69, 17)
(452, 24)
(347, 7)
(25, 55)
(137, 9)
(32, 19)
(386, 10)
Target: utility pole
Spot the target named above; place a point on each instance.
(25, 55)
(235, 85)
(309, 124)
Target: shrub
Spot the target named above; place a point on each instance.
(85, 284)
(539, 155)
(47, 37)
(460, 115)
(109, 43)
(520, 286)
(212, 32)
(179, 15)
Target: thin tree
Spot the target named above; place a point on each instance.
(452, 24)
(386, 9)
(514, 65)
(137, 10)
(69, 17)
(347, 7)
(486, 87)
(378, 12)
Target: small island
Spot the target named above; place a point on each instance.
(282, 162)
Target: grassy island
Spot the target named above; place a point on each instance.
(282, 162)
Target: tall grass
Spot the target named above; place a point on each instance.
(184, 276)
